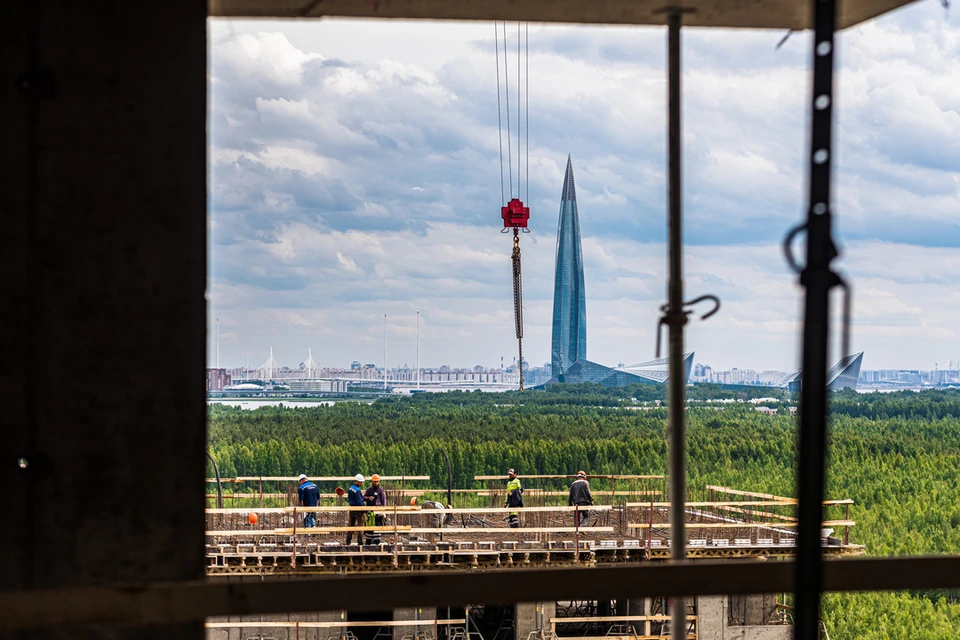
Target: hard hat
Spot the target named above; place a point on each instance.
(302, 477)
(375, 478)
(358, 477)
(511, 472)
(413, 502)
(252, 518)
(581, 474)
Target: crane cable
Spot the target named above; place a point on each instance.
(515, 215)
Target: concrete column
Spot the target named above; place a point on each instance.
(413, 613)
(639, 607)
(712, 617)
(533, 616)
(102, 317)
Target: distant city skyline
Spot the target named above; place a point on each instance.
(354, 173)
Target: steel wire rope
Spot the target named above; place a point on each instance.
(496, 40)
(506, 89)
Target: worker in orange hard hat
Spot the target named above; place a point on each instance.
(374, 496)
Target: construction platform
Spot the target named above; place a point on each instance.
(730, 523)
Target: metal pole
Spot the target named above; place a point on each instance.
(418, 348)
(676, 319)
(216, 470)
(817, 278)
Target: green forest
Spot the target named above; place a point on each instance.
(896, 454)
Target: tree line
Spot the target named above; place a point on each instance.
(897, 455)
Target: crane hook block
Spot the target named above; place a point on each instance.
(515, 215)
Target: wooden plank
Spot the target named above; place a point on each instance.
(589, 619)
(740, 492)
(312, 479)
(504, 529)
(332, 625)
(738, 525)
(562, 476)
(387, 509)
(176, 602)
(731, 14)
(301, 531)
(640, 637)
(505, 510)
(785, 502)
(759, 514)
(596, 492)
(732, 503)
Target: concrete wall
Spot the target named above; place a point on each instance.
(713, 617)
(411, 613)
(533, 616)
(102, 317)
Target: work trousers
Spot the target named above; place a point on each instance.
(584, 515)
(373, 537)
(514, 520)
(357, 519)
(310, 519)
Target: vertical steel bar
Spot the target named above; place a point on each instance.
(817, 278)
(846, 530)
(676, 319)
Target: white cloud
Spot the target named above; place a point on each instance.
(355, 173)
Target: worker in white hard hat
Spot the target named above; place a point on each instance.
(309, 497)
(355, 499)
(514, 498)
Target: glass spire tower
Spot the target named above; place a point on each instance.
(569, 342)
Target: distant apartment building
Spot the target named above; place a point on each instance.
(324, 386)
(217, 379)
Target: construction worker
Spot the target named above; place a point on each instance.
(580, 496)
(309, 497)
(375, 496)
(514, 498)
(355, 499)
(438, 520)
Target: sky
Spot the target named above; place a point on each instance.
(355, 172)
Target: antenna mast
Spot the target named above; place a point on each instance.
(384, 353)
(418, 348)
(218, 343)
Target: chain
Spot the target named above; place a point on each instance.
(518, 299)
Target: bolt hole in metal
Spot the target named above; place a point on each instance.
(819, 208)
(820, 156)
(22, 463)
(822, 102)
(824, 48)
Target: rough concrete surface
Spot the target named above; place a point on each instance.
(102, 117)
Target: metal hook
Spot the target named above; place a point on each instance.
(665, 309)
(660, 323)
(707, 296)
(838, 280)
(788, 247)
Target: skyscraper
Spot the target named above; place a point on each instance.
(569, 342)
